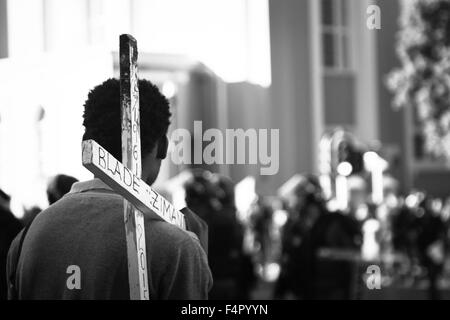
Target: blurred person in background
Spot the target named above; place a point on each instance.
(430, 243)
(336, 232)
(211, 196)
(420, 231)
(30, 214)
(305, 205)
(261, 215)
(225, 227)
(199, 194)
(58, 186)
(10, 226)
(310, 228)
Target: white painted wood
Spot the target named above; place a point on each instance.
(131, 158)
(111, 171)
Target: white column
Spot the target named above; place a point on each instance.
(3, 29)
(316, 79)
(365, 66)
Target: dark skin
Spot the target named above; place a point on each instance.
(151, 163)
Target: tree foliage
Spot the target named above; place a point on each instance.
(423, 81)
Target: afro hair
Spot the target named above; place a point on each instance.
(102, 116)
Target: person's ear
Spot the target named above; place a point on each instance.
(163, 145)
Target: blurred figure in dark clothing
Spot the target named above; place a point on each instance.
(58, 186)
(430, 241)
(228, 258)
(10, 226)
(333, 278)
(311, 227)
(305, 205)
(261, 224)
(199, 194)
(297, 253)
(211, 196)
(404, 233)
(30, 214)
(421, 232)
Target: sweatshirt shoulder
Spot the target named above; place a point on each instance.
(169, 235)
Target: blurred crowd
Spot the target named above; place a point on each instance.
(307, 248)
(325, 251)
(298, 241)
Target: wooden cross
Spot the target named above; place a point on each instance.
(124, 177)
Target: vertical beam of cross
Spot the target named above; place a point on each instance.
(131, 158)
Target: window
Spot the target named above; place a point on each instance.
(335, 34)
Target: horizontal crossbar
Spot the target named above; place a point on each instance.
(119, 178)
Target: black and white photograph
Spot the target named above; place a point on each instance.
(238, 151)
